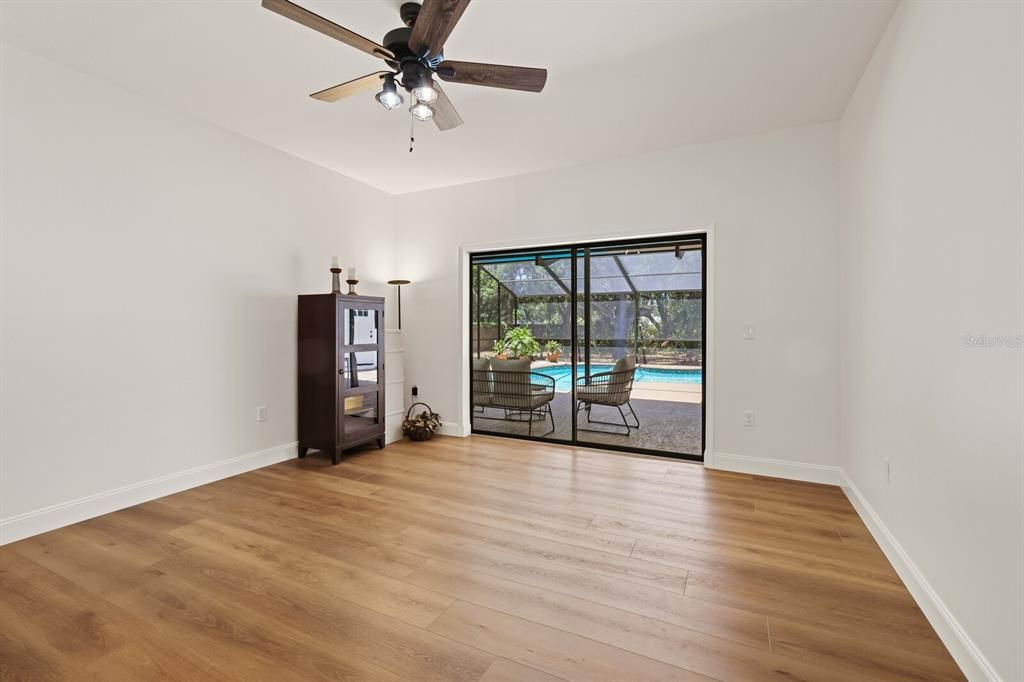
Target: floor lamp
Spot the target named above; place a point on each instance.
(398, 284)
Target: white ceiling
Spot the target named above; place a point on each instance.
(624, 77)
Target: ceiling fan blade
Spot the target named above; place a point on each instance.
(445, 116)
(370, 81)
(434, 24)
(290, 10)
(493, 75)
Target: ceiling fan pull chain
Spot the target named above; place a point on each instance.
(412, 139)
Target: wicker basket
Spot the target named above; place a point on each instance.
(414, 431)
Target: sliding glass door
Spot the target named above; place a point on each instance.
(599, 344)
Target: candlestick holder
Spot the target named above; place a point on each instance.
(335, 280)
(352, 286)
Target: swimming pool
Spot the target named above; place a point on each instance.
(659, 375)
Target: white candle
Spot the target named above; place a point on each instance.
(335, 261)
(351, 273)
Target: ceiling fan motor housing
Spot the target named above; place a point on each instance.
(414, 75)
(397, 41)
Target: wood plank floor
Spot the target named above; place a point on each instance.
(468, 559)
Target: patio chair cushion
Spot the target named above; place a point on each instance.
(601, 394)
(616, 390)
(510, 384)
(619, 382)
(538, 399)
(624, 363)
(482, 387)
(591, 393)
(520, 365)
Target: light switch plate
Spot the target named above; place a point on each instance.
(748, 332)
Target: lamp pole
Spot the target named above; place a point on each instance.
(398, 284)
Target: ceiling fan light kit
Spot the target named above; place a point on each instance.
(415, 53)
(425, 93)
(421, 111)
(416, 79)
(389, 97)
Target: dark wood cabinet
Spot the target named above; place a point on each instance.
(341, 372)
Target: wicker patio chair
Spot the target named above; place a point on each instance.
(481, 384)
(522, 395)
(611, 389)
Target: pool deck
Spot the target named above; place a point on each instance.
(678, 393)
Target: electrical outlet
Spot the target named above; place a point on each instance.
(261, 414)
(748, 418)
(415, 391)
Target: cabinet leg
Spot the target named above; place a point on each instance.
(335, 456)
(302, 451)
(380, 443)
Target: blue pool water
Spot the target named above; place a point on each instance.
(652, 374)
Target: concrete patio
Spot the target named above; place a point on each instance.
(670, 420)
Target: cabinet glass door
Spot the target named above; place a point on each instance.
(360, 369)
(361, 364)
(359, 326)
(360, 360)
(360, 412)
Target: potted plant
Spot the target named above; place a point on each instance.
(499, 350)
(553, 349)
(519, 343)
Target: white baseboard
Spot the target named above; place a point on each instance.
(393, 426)
(777, 468)
(963, 649)
(64, 514)
(453, 429)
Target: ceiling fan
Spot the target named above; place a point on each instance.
(415, 54)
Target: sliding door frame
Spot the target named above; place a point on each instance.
(578, 249)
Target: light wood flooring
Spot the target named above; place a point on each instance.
(468, 559)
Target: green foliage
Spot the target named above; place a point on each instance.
(498, 347)
(666, 322)
(519, 343)
(486, 305)
(553, 346)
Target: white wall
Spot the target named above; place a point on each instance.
(773, 200)
(149, 272)
(931, 240)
